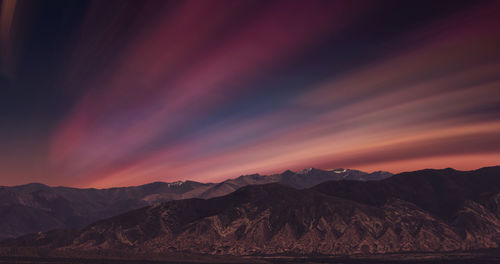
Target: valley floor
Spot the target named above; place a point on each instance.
(486, 257)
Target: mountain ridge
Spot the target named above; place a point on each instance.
(37, 207)
(364, 218)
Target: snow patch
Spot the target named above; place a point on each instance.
(175, 184)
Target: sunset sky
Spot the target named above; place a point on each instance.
(118, 93)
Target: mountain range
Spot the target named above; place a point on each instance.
(36, 207)
(422, 211)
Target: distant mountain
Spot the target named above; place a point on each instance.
(421, 211)
(299, 180)
(36, 207)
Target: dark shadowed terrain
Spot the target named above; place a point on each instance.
(451, 211)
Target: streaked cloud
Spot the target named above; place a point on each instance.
(170, 91)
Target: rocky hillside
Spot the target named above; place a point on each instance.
(429, 210)
(36, 207)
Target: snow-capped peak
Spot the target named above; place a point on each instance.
(339, 170)
(174, 184)
(304, 171)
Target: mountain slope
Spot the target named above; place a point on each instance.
(441, 192)
(36, 207)
(393, 215)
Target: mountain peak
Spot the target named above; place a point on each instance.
(175, 184)
(33, 185)
(288, 172)
(310, 170)
(339, 170)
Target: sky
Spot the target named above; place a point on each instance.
(119, 93)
